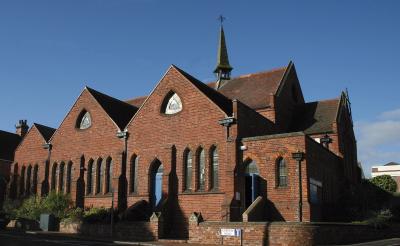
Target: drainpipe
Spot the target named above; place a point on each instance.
(299, 156)
(227, 122)
(121, 135)
(49, 147)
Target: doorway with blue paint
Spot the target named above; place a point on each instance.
(252, 183)
(156, 183)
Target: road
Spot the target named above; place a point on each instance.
(22, 239)
(8, 238)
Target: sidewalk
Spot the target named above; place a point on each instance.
(59, 235)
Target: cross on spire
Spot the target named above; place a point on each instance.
(221, 19)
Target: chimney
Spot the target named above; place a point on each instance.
(22, 127)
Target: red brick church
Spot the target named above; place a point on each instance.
(222, 150)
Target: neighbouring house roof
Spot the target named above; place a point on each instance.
(120, 112)
(392, 164)
(137, 102)
(8, 143)
(315, 117)
(254, 90)
(45, 131)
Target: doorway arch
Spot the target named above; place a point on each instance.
(251, 182)
(156, 183)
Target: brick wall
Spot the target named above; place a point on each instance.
(156, 136)
(284, 233)
(265, 151)
(327, 168)
(30, 152)
(99, 141)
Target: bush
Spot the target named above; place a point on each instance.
(97, 215)
(57, 204)
(385, 182)
(30, 209)
(10, 208)
(74, 215)
(380, 219)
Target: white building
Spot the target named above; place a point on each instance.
(391, 168)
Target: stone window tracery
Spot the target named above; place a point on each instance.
(85, 121)
(174, 105)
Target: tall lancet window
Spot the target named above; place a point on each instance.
(201, 173)
(188, 170)
(172, 104)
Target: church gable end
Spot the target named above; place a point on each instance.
(85, 124)
(31, 148)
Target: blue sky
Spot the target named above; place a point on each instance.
(49, 50)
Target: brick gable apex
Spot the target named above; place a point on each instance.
(85, 94)
(222, 103)
(32, 133)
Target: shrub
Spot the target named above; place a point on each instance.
(380, 219)
(10, 208)
(57, 204)
(385, 182)
(31, 209)
(97, 215)
(74, 215)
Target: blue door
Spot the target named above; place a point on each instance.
(157, 186)
(251, 188)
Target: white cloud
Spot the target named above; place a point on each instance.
(379, 140)
(391, 115)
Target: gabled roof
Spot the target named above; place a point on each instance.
(8, 143)
(220, 100)
(255, 89)
(392, 164)
(315, 117)
(120, 112)
(137, 101)
(45, 131)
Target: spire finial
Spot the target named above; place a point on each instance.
(221, 18)
(223, 69)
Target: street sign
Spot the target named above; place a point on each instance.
(231, 232)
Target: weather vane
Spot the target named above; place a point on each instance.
(221, 19)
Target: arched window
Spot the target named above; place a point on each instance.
(201, 164)
(84, 120)
(54, 176)
(61, 178)
(22, 181)
(35, 179)
(99, 176)
(172, 104)
(109, 175)
(90, 174)
(69, 178)
(133, 174)
(28, 180)
(214, 168)
(281, 172)
(188, 167)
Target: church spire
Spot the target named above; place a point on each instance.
(223, 69)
